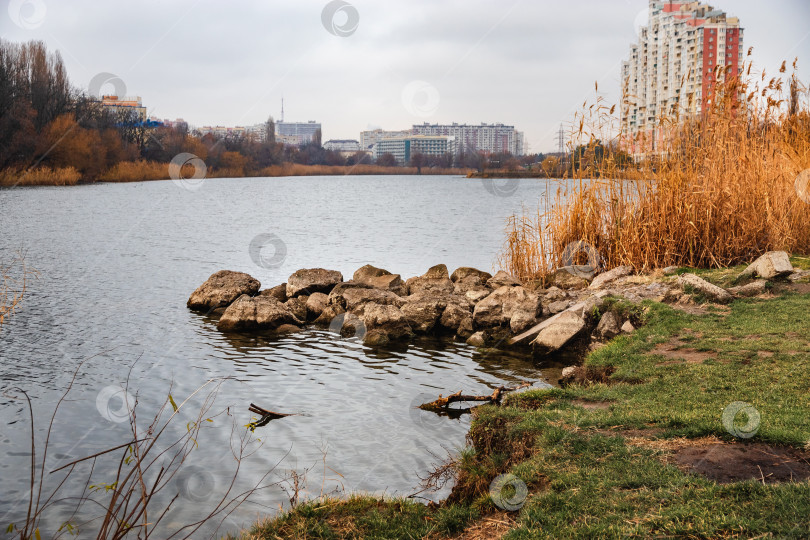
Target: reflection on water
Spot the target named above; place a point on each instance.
(117, 263)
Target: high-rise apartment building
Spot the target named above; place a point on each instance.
(685, 49)
(297, 133)
(476, 138)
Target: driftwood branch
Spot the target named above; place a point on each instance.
(443, 403)
(266, 416)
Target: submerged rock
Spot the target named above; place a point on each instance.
(221, 289)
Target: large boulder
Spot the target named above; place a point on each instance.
(425, 312)
(770, 265)
(379, 278)
(221, 289)
(553, 336)
(498, 308)
(455, 318)
(386, 319)
(312, 280)
(611, 275)
(256, 313)
(465, 272)
(713, 292)
(502, 278)
(354, 298)
(435, 280)
(580, 310)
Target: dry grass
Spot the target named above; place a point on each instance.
(136, 171)
(721, 192)
(40, 176)
(296, 169)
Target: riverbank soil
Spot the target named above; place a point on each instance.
(700, 431)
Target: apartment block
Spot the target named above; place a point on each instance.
(403, 148)
(371, 137)
(476, 138)
(683, 52)
(297, 132)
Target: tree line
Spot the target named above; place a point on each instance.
(45, 122)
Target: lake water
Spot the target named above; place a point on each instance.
(116, 264)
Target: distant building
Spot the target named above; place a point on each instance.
(256, 132)
(369, 138)
(342, 145)
(125, 104)
(476, 138)
(296, 133)
(681, 53)
(404, 148)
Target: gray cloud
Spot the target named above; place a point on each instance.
(528, 63)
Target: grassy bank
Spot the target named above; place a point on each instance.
(624, 458)
(140, 171)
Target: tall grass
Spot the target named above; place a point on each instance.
(136, 171)
(40, 176)
(720, 191)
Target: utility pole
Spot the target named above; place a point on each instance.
(282, 109)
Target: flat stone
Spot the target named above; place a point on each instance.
(754, 288)
(611, 275)
(558, 306)
(702, 286)
(555, 335)
(671, 270)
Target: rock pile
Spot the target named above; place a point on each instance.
(469, 304)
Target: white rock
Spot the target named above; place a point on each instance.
(628, 327)
(770, 265)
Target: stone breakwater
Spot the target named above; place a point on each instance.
(380, 308)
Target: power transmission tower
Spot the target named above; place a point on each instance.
(561, 140)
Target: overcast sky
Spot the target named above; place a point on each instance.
(386, 64)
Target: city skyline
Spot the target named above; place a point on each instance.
(364, 66)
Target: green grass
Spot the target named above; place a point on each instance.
(585, 480)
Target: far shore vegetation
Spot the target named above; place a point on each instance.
(54, 134)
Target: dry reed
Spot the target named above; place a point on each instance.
(721, 190)
(40, 176)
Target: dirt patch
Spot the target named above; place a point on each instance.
(489, 527)
(675, 351)
(764, 354)
(725, 463)
(592, 405)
